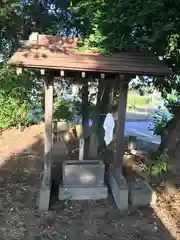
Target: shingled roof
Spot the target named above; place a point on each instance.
(58, 53)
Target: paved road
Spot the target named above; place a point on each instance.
(141, 130)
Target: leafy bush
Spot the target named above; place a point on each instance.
(12, 112)
(63, 110)
(160, 121)
(77, 108)
(160, 165)
(17, 95)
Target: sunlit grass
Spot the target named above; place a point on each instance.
(134, 99)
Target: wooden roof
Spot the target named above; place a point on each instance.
(55, 52)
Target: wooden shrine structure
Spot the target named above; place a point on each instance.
(55, 55)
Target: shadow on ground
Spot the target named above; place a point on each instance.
(19, 218)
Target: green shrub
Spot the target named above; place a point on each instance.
(77, 108)
(17, 93)
(160, 121)
(12, 112)
(63, 110)
(160, 165)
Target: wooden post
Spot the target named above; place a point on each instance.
(85, 118)
(48, 143)
(48, 124)
(101, 110)
(98, 110)
(119, 151)
(81, 149)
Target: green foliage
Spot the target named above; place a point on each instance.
(13, 85)
(19, 18)
(160, 165)
(127, 24)
(104, 26)
(63, 110)
(173, 106)
(77, 108)
(160, 121)
(17, 95)
(13, 112)
(13, 98)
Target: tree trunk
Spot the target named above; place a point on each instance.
(170, 139)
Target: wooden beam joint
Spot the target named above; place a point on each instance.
(42, 71)
(62, 73)
(19, 70)
(102, 75)
(83, 74)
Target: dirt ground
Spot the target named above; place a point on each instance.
(21, 164)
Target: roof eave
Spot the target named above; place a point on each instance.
(142, 73)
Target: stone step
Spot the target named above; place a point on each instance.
(82, 193)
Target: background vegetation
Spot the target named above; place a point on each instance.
(105, 26)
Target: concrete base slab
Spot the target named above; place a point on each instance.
(82, 193)
(140, 193)
(119, 189)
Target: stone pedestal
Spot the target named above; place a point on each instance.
(83, 180)
(119, 189)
